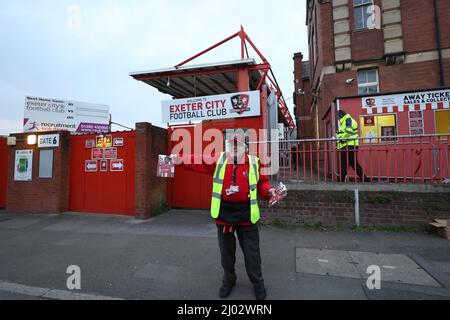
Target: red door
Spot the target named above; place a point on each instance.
(193, 190)
(106, 184)
(189, 189)
(3, 171)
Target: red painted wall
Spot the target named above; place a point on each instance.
(3, 171)
(102, 192)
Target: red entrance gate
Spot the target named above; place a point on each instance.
(102, 179)
(3, 171)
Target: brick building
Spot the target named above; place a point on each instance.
(361, 47)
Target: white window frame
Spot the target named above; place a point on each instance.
(369, 84)
(364, 7)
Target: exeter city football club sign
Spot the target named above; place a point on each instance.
(225, 106)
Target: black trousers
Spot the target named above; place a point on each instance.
(249, 242)
(349, 158)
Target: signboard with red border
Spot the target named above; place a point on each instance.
(108, 141)
(110, 153)
(118, 142)
(416, 123)
(103, 165)
(416, 132)
(89, 143)
(91, 166)
(116, 165)
(98, 153)
(99, 141)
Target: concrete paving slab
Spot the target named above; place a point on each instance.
(325, 262)
(24, 222)
(394, 268)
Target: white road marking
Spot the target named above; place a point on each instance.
(322, 260)
(48, 293)
(388, 267)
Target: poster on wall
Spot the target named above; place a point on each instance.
(23, 165)
(225, 106)
(416, 123)
(166, 167)
(44, 114)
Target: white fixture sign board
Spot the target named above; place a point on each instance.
(42, 114)
(224, 106)
(413, 101)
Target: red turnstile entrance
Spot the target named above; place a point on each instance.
(102, 178)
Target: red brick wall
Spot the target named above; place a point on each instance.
(39, 195)
(444, 14)
(151, 192)
(325, 41)
(3, 171)
(413, 76)
(305, 128)
(418, 24)
(367, 45)
(380, 209)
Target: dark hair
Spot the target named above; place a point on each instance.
(341, 113)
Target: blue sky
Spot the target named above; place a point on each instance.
(45, 52)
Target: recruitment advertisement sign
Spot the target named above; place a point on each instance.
(23, 165)
(42, 114)
(413, 101)
(225, 106)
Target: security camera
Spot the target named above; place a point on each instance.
(349, 81)
(300, 92)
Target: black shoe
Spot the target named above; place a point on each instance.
(260, 291)
(225, 290)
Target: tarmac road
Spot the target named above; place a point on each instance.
(175, 256)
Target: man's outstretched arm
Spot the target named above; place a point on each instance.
(196, 163)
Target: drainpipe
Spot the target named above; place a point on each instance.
(438, 42)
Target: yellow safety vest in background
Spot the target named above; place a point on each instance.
(253, 178)
(348, 129)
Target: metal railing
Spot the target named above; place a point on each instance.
(390, 159)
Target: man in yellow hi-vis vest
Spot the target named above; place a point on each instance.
(348, 145)
(234, 206)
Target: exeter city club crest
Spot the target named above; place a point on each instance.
(240, 103)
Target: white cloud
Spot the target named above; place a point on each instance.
(46, 58)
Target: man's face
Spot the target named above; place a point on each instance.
(237, 151)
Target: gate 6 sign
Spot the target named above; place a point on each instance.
(48, 141)
(116, 165)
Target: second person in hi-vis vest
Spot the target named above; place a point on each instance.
(237, 186)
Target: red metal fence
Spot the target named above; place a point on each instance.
(393, 159)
